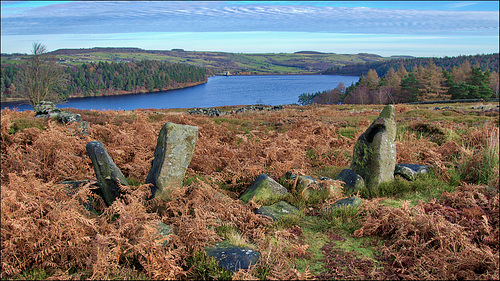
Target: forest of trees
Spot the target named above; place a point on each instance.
(103, 78)
(421, 83)
(485, 62)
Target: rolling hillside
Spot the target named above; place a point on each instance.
(302, 62)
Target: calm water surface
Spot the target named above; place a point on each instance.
(218, 91)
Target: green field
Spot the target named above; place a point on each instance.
(217, 62)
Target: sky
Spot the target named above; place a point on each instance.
(386, 28)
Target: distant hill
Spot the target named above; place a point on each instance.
(485, 62)
(302, 62)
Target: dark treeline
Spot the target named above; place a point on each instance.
(422, 83)
(485, 62)
(103, 78)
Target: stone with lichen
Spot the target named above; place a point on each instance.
(374, 155)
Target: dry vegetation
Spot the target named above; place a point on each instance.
(427, 233)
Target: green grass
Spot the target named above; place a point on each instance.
(425, 187)
(265, 63)
(205, 267)
(348, 132)
(23, 123)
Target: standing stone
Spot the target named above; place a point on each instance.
(107, 173)
(173, 153)
(374, 155)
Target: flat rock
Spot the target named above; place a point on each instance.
(353, 182)
(107, 173)
(353, 201)
(173, 153)
(410, 171)
(277, 210)
(264, 188)
(233, 257)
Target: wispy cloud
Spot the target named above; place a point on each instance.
(157, 16)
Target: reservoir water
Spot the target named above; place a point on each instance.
(218, 91)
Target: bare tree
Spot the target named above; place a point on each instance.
(42, 78)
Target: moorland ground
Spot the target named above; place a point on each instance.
(444, 225)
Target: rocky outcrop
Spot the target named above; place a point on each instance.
(212, 112)
(107, 173)
(173, 153)
(264, 188)
(374, 155)
(45, 108)
(48, 109)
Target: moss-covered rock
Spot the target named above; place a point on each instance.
(353, 182)
(374, 155)
(173, 153)
(277, 210)
(107, 173)
(264, 189)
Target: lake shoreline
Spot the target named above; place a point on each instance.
(124, 93)
(216, 91)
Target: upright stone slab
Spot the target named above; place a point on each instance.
(107, 173)
(173, 153)
(374, 155)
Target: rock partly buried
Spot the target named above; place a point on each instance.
(374, 155)
(164, 230)
(353, 201)
(233, 257)
(173, 153)
(107, 173)
(277, 210)
(264, 188)
(353, 182)
(73, 187)
(410, 171)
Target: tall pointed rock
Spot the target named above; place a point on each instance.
(374, 155)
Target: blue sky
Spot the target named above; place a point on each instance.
(417, 28)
